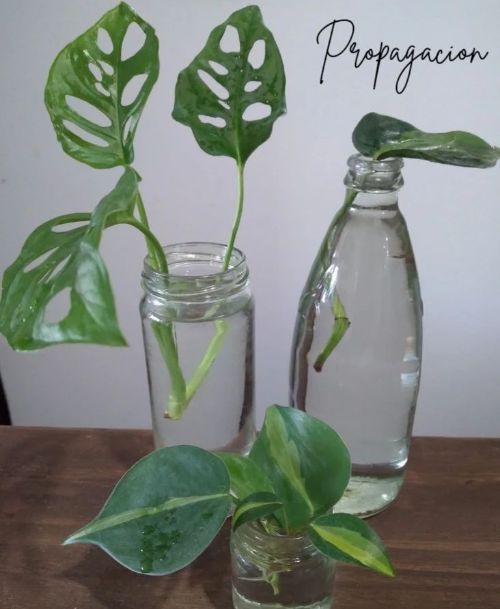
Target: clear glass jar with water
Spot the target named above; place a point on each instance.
(275, 571)
(208, 313)
(366, 386)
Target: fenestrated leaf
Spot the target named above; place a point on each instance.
(380, 136)
(237, 137)
(55, 260)
(254, 507)
(84, 71)
(306, 461)
(349, 539)
(246, 477)
(164, 511)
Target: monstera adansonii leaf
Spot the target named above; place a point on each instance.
(219, 90)
(54, 259)
(84, 75)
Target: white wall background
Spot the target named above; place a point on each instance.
(294, 186)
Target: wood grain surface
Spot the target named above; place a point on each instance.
(443, 532)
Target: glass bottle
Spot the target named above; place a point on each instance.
(358, 337)
(209, 313)
(273, 571)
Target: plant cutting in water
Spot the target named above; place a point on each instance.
(88, 97)
(380, 137)
(170, 505)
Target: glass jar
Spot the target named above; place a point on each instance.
(273, 571)
(198, 320)
(358, 337)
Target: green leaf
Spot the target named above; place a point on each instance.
(306, 461)
(349, 539)
(164, 511)
(84, 71)
(53, 260)
(238, 137)
(340, 325)
(246, 477)
(380, 136)
(254, 507)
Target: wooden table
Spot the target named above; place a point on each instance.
(443, 531)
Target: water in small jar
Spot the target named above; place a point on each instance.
(273, 578)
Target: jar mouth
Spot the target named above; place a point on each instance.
(195, 269)
(202, 253)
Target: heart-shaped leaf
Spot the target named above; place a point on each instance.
(254, 507)
(217, 93)
(53, 260)
(306, 461)
(247, 478)
(380, 136)
(164, 511)
(349, 539)
(86, 75)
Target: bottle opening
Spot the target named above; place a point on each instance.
(374, 176)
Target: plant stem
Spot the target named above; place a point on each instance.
(221, 329)
(154, 246)
(164, 332)
(341, 322)
(239, 212)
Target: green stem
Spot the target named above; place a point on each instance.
(155, 249)
(239, 212)
(341, 322)
(176, 407)
(164, 332)
(221, 329)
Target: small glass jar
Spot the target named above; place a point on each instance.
(273, 571)
(205, 314)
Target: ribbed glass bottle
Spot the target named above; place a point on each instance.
(358, 337)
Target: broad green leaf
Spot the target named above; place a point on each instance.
(164, 511)
(199, 105)
(349, 539)
(306, 461)
(254, 507)
(380, 136)
(246, 477)
(340, 325)
(84, 71)
(53, 260)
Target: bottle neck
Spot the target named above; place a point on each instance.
(373, 184)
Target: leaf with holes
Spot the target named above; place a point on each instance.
(218, 92)
(86, 91)
(53, 261)
(163, 512)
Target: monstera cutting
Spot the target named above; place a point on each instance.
(95, 94)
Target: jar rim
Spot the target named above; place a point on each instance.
(192, 249)
(196, 286)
